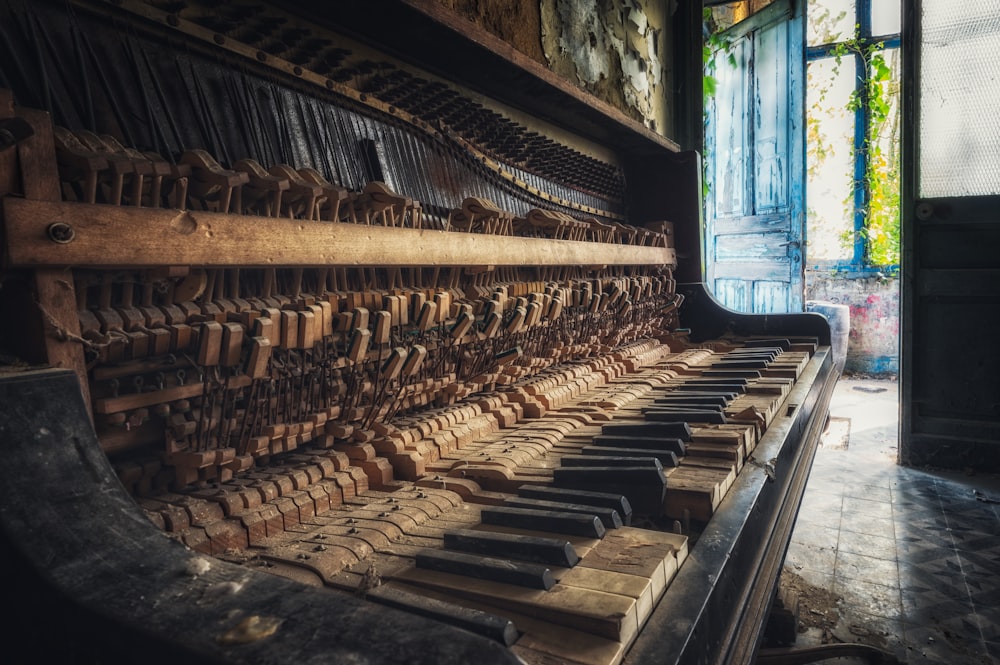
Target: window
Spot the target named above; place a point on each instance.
(852, 134)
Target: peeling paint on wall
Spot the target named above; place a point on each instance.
(615, 49)
(873, 344)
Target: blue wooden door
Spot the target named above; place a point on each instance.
(755, 164)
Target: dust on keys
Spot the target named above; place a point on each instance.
(692, 417)
(550, 516)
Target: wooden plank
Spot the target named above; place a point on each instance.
(751, 224)
(759, 246)
(54, 289)
(144, 237)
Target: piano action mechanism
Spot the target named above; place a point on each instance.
(393, 370)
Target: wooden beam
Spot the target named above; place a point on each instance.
(121, 237)
(54, 291)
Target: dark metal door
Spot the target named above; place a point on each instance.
(950, 360)
(755, 164)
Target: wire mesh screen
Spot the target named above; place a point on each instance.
(959, 94)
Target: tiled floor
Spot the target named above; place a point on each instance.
(903, 559)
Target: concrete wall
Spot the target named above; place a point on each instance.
(873, 344)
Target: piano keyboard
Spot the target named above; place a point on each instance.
(361, 327)
(551, 517)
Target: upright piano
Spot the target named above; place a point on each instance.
(319, 348)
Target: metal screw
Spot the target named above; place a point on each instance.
(61, 232)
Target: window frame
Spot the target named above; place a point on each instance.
(858, 264)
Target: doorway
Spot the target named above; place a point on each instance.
(833, 245)
(754, 156)
(951, 212)
(853, 173)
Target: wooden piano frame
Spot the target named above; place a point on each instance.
(84, 556)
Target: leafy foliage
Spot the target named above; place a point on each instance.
(880, 149)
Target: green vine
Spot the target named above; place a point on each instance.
(715, 41)
(881, 181)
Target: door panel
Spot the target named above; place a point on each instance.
(755, 271)
(758, 245)
(950, 361)
(729, 181)
(756, 154)
(734, 293)
(771, 117)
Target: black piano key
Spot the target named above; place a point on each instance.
(610, 460)
(609, 516)
(728, 392)
(549, 551)
(520, 573)
(687, 415)
(676, 430)
(497, 628)
(666, 458)
(753, 353)
(695, 391)
(645, 486)
(727, 373)
(741, 363)
(618, 502)
(718, 400)
(674, 445)
(762, 351)
(639, 442)
(550, 521)
(669, 406)
(697, 381)
(734, 384)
